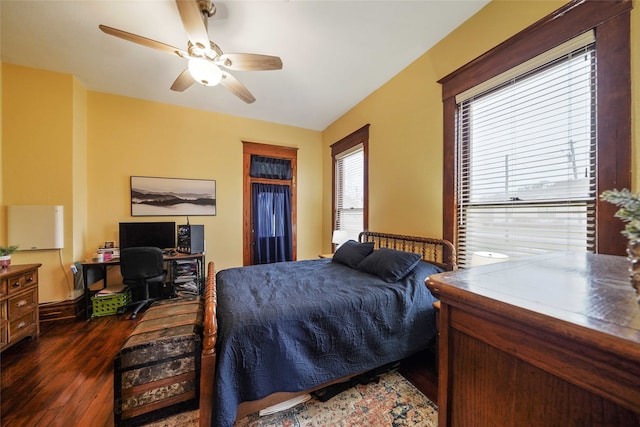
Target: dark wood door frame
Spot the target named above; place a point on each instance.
(274, 151)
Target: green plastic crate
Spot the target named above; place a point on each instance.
(106, 305)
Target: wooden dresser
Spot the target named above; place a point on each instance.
(549, 341)
(18, 304)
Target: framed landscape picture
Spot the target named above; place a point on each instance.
(153, 196)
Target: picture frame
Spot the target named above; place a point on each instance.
(158, 196)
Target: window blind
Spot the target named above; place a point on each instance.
(527, 156)
(350, 191)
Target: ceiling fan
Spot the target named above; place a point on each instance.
(205, 57)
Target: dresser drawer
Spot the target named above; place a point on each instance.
(4, 338)
(25, 301)
(22, 281)
(22, 324)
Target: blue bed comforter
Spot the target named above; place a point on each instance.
(294, 325)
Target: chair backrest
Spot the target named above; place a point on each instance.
(141, 263)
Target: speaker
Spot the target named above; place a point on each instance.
(191, 239)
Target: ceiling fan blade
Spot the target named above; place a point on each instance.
(234, 86)
(183, 82)
(250, 62)
(143, 41)
(193, 22)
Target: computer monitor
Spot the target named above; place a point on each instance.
(157, 234)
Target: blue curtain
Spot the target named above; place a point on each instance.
(271, 223)
(270, 168)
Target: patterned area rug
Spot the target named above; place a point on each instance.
(392, 401)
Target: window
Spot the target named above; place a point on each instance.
(529, 181)
(526, 142)
(350, 191)
(350, 183)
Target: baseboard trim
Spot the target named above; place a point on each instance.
(62, 310)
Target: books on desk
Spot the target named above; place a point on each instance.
(186, 277)
(185, 270)
(114, 252)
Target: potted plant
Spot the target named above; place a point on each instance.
(629, 213)
(5, 255)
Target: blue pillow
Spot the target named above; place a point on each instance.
(351, 252)
(389, 264)
(423, 270)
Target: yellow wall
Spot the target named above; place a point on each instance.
(64, 145)
(78, 209)
(3, 222)
(133, 137)
(405, 156)
(36, 163)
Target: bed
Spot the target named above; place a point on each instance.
(275, 331)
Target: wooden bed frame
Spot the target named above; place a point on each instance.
(437, 251)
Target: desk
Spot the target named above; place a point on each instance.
(552, 340)
(102, 267)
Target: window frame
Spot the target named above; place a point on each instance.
(360, 136)
(492, 220)
(611, 22)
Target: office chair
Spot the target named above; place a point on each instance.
(140, 267)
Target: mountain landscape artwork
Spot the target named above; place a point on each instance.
(153, 196)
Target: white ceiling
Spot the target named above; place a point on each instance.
(335, 53)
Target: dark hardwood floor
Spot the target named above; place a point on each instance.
(65, 377)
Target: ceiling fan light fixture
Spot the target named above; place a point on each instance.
(205, 72)
(204, 56)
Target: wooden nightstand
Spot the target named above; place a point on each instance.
(326, 255)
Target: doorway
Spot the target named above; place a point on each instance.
(269, 203)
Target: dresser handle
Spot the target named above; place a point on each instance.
(21, 303)
(29, 279)
(22, 325)
(15, 284)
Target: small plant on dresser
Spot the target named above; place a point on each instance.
(5, 255)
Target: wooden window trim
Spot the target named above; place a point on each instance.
(360, 136)
(274, 151)
(611, 21)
